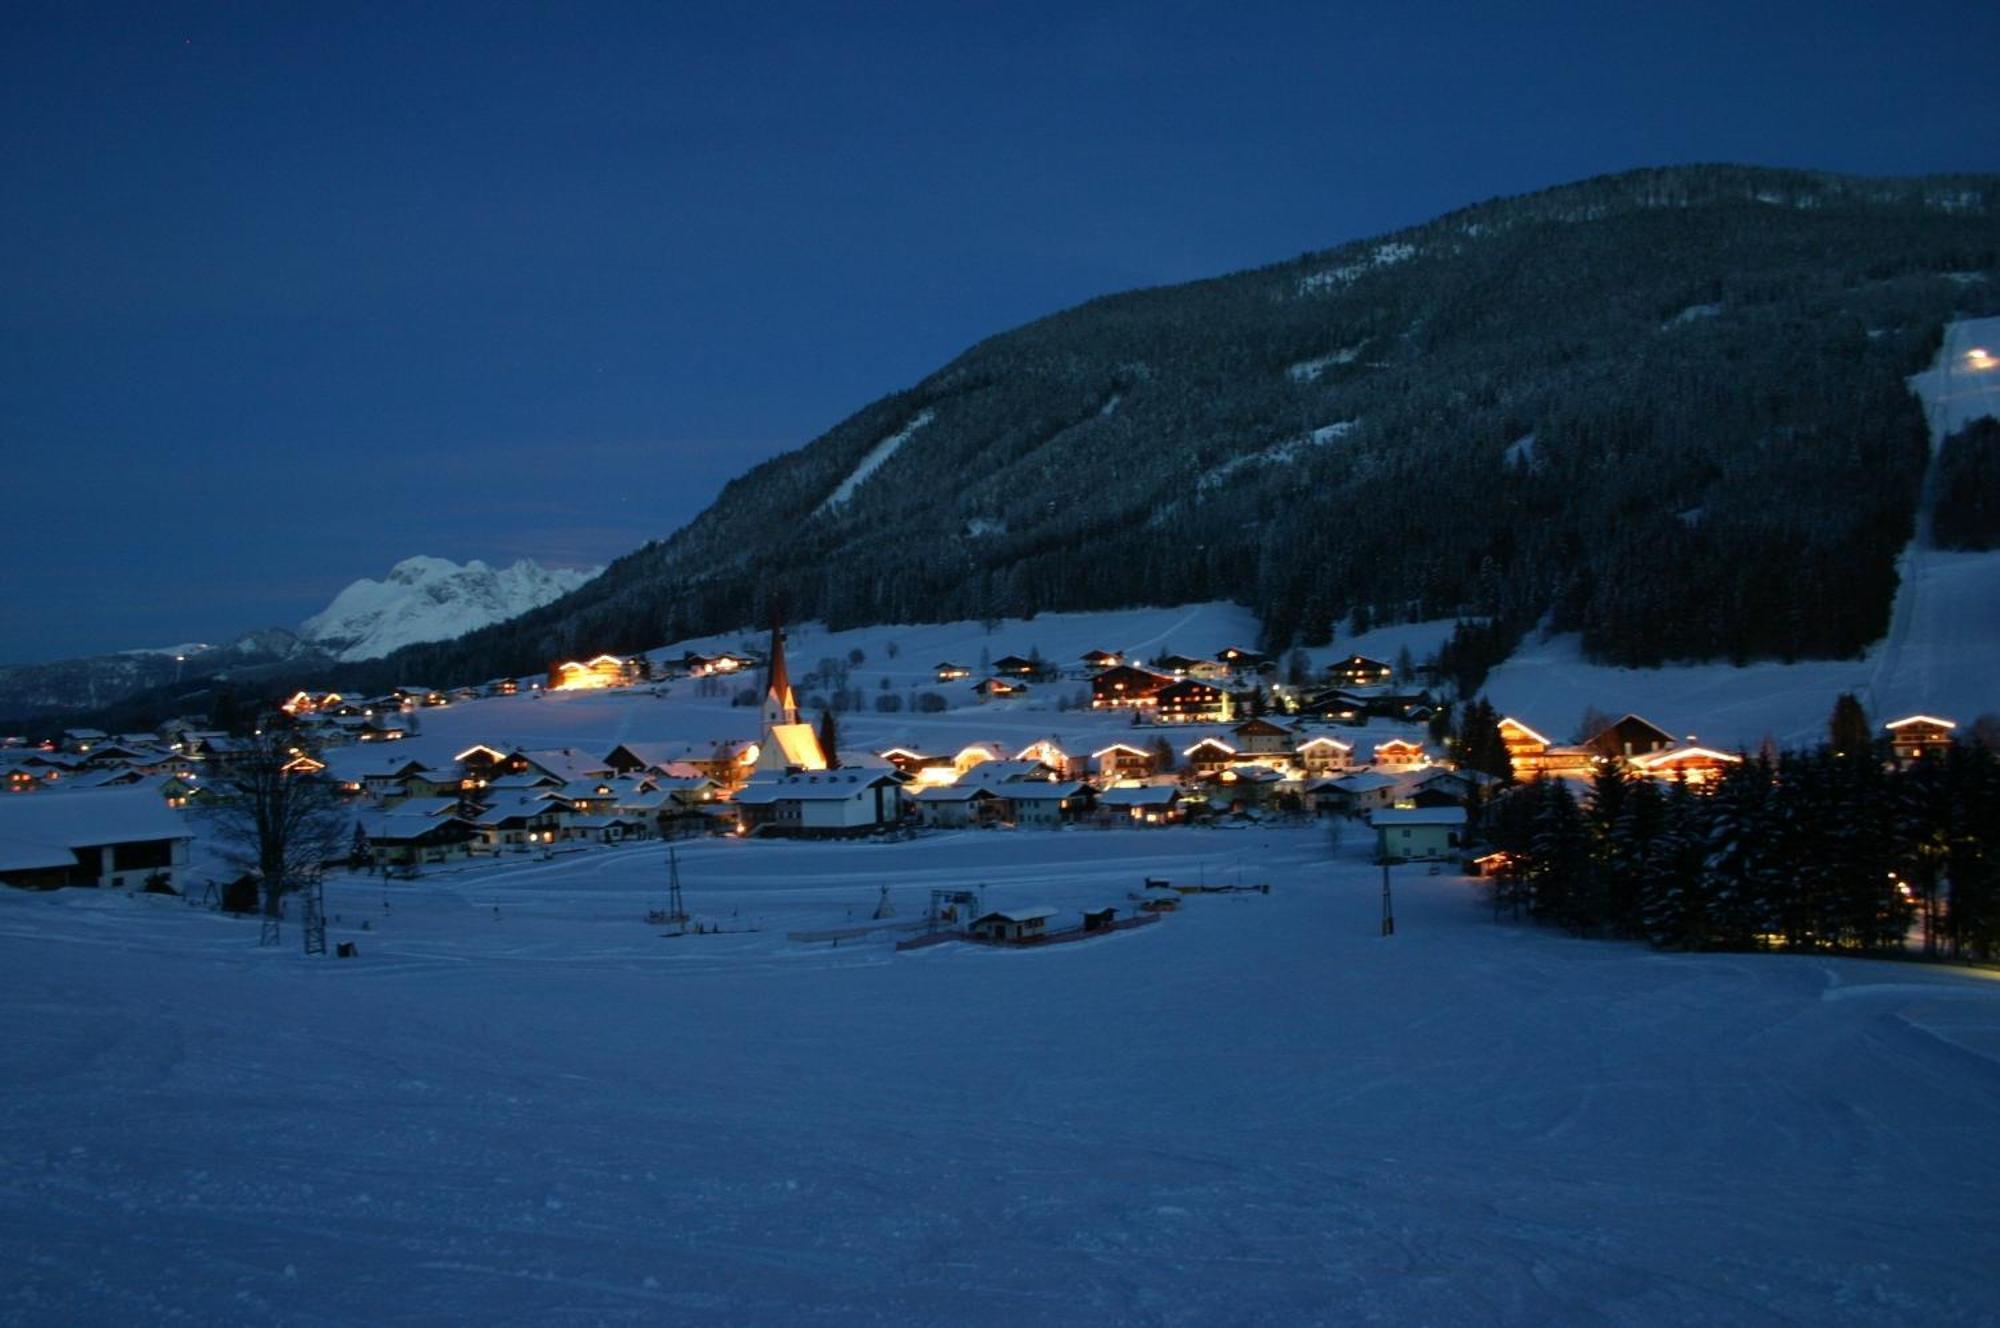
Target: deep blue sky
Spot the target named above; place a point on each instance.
(292, 292)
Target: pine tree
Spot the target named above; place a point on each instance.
(1674, 902)
(1737, 877)
(1847, 728)
(829, 738)
(1560, 849)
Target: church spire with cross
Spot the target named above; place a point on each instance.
(781, 705)
(785, 746)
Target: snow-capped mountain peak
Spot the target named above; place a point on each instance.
(433, 599)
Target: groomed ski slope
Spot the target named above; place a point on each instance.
(1941, 655)
(522, 1105)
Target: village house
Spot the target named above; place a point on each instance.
(1209, 757)
(1015, 924)
(960, 806)
(1141, 804)
(1353, 795)
(1098, 660)
(1918, 736)
(1359, 671)
(1531, 754)
(1015, 666)
(411, 695)
(826, 803)
(1121, 685)
(1121, 761)
(1258, 736)
(1629, 738)
(401, 839)
(1421, 834)
(1322, 756)
(1694, 765)
(1191, 701)
(517, 821)
(1239, 787)
(997, 688)
(1046, 804)
(1060, 763)
(1396, 755)
(573, 675)
(111, 838)
(949, 672)
(977, 753)
(1238, 660)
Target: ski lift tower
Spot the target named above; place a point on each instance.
(315, 918)
(676, 914)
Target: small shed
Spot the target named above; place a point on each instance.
(1014, 924)
(1099, 919)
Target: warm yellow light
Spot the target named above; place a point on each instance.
(1980, 359)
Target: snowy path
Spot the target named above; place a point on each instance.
(1258, 1111)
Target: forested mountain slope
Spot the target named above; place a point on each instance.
(1665, 408)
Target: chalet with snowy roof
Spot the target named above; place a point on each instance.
(1399, 754)
(1419, 834)
(1239, 786)
(977, 753)
(913, 764)
(1121, 685)
(1141, 804)
(1210, 757)
(517, 821)
(1012, 924)
(583, 675)
(1630, 738)
(1353, 795)
(1191, 666)
(962, 806)
(1015, 666)
(1917, 736)
(1261, 737)
(504, 687)
(998, 688)
(1334, 704)
(1122, 760)
(1099, 660)
(1321, 756)
(1359, 671)
(402, 840)
(113, 838)
(1238, 660)
(1045, 804)
(949, 672)
(416, 694)
(1191, 701)
(564, 763)
(824, 803)
(1532, 754)
(1692, 765)
(1050, 754)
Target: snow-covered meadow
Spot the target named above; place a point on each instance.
(523, 1104)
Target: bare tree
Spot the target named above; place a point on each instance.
(271, 813)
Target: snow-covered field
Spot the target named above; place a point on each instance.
(522, 1104)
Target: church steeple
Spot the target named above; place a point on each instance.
(780, 705)
(786, 745)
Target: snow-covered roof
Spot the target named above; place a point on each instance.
(41, 823)
(1362, 783)
(1418, 816)
(820, 786)
(1139, 795)
(1016, 915)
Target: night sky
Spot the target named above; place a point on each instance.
(293, 292)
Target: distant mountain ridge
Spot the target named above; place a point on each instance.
(422, 599)
(432, 599)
